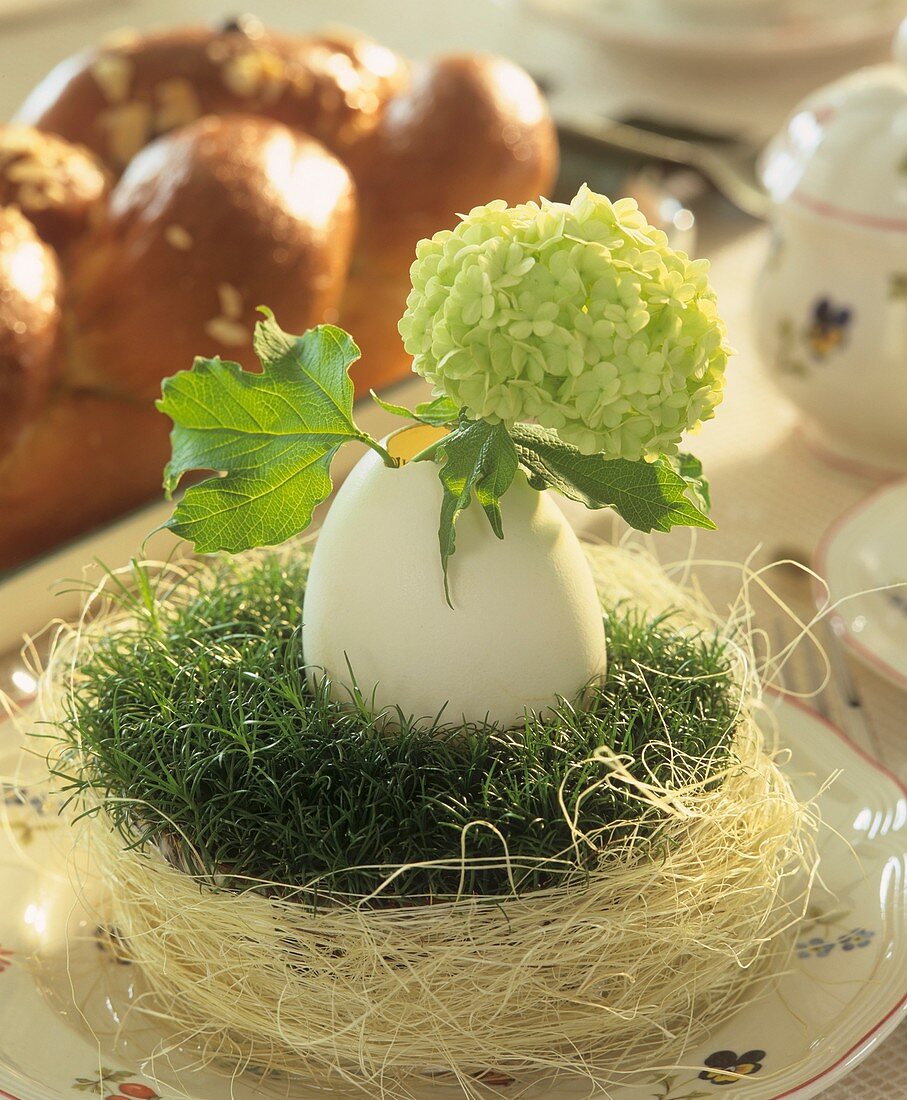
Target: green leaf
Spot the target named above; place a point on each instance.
(272, 437)
(690, 469)
(648, 495)
(476, 457)
(438, 413)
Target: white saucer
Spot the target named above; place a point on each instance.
(867, 549)
(843, 994)
(654, 26)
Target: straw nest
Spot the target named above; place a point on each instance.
(600, 974)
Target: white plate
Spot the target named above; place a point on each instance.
(754, 31)
(843, 995)
(866, 549)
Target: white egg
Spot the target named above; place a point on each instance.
(526, 625)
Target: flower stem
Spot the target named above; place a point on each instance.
(389, 460)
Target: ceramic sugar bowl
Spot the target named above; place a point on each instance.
(831, 300)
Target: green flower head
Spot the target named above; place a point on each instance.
(578, 316)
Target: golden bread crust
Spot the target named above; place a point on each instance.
(29, 322)
(184, 178)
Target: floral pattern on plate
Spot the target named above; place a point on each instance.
(817, 948)
(115, 1084)
(722, 1067)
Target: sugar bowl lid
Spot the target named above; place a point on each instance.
(843, 151)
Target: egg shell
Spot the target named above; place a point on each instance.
(525, 627)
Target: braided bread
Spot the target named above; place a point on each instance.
(157, 189)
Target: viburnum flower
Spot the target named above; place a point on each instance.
(579, 317)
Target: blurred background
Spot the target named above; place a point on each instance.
(725, 73)
(671, 101)
(732, 66)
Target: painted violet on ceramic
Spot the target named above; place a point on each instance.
(831, 306)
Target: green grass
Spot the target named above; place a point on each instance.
(200, 719)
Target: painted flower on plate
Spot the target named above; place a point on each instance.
(814, 948)
(725, 1067)
(856, 937)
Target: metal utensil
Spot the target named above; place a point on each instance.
(728, 165)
